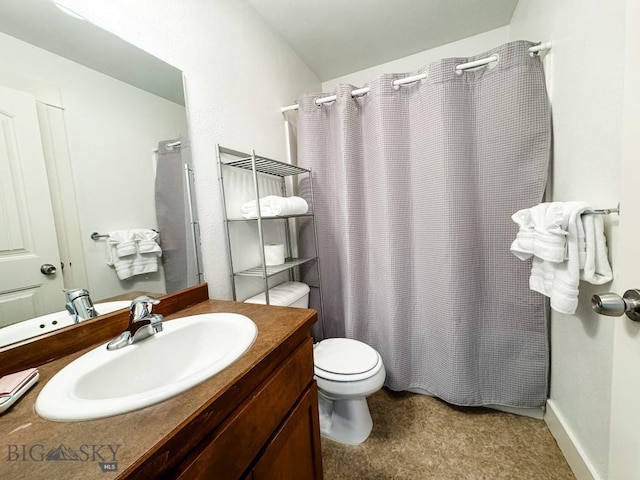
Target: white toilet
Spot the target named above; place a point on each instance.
(346, 370)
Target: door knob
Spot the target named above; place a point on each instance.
(614, 305)
(48, 269)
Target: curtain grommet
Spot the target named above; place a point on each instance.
(494, 64)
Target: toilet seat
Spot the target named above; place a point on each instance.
(345, 360)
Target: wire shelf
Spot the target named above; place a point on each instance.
(268, 166)
(279, 217)
(274, 269)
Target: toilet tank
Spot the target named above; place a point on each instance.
(288, 294)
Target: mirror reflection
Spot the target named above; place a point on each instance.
(94, 171)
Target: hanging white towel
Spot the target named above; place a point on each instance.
(133, 252)
(585, 251)
(541, 233)
(273, 206)
(595, 269)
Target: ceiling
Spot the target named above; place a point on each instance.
(333, 37)
(337, 37)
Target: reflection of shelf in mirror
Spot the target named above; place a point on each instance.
(266, 165)
(279, 217)
(274, 269)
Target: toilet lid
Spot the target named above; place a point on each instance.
(344, 356)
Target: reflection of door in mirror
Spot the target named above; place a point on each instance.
(28, 237)
(99, 129)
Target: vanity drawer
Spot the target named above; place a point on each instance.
(234, 446)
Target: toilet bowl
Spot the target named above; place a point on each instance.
(346, 371)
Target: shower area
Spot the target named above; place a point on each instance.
(177, 215)
(416, 177)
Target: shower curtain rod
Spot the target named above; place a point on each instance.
(396, 83)
(170, 146)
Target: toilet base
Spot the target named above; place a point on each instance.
(345, 421)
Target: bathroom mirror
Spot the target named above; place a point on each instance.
(102, 107)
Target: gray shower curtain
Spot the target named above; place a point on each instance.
(414, 189)
(180, 253)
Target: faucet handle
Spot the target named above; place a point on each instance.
(141, 307)
(75, 293)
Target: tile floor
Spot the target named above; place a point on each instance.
(420, 437)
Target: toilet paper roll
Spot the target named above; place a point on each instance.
(274, 254)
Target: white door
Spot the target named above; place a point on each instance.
(27, 230)
(624, 461)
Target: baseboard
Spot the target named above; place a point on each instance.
(580, 465)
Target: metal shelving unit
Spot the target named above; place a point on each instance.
(259, 165)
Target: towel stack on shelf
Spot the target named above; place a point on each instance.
(274, 206)
(567, 246)
(133, 252)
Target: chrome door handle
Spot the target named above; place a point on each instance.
(614, 305)
(48, 269)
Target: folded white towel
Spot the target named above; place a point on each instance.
(125, 248)
(273, 206)
(542, 233)
(586, 252)
(559, 281)
(133, 252)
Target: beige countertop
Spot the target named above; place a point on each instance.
(124, 441)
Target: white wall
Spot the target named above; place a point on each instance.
(112, 129)
(463, 48)
(585, 75)
(238, 74)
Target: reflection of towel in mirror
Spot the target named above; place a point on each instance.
(273, 206)
(133, 252)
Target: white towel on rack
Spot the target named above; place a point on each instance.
(559, 281)
(595, 268)
(133, 252)
(273, 206)
(541, 233)
(585, 254)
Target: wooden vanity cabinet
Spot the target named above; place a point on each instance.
(257, 419)
(289, 454)
(273, 434)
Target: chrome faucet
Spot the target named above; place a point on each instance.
(79, 305)
(142, 323)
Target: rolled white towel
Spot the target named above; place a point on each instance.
(273, 206)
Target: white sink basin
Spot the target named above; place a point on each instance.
(102, 382)
(50, 323)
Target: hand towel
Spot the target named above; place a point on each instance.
(542, 233)
(273, 206)
(118, 246)
(559, 280)
(595, 268)
(133, 252)
(585, 250)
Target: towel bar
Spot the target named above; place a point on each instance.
(602, 211)
(97, 236)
